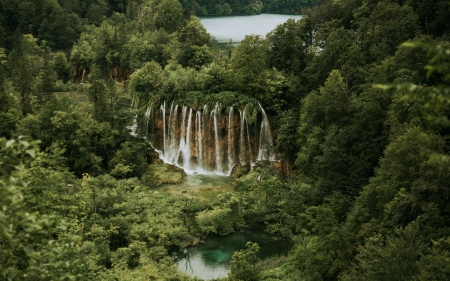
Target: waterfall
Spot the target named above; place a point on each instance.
(147, 118)
(230, 140)
(216, 135)
(163, 110)
(266, 148)
(241, 138)
(249, 145)
(201, 142)
(182, 146)
(171, 150)
(133, 127)
(199, 138)
(187, 149)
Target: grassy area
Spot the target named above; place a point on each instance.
(202, 187)
(74, 96)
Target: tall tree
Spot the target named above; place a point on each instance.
(25, 64)
(249, 59)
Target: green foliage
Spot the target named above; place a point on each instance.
(368, 198)
(28, 249)
(96, 13)
(146, 82)
(130, 160)
(243, 263)
(61, 66)
(249, 61)
(286, 47)
(383, 31)
(393, 258)
(25, 63)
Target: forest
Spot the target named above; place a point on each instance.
(358, 93)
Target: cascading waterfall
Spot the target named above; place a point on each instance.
(210, 143)
(266, 148)
(199, 138)
(147, 118)
(163, 111)
(249, 146)
(133, 127)
(182, 147)
(241, 138)
(187, 149)
(216, 135)
(230, 140)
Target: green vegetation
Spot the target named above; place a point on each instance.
(361, 121)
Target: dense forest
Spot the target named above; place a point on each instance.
(359, 98)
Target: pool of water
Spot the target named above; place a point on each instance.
(212, 259)
(236, 27)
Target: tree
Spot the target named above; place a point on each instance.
(97, 12)
(392, 259)
(194, 33)
(386, 28)
(249, 60)
(168, 15)
(25, 64)
(28, 249)
(58, 28)
(147, 81)
(46, 82)
(287, 49)
(98, 95)
(243, 263)
(324, 113)
(61, 66)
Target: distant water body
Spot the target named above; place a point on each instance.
(236, 27)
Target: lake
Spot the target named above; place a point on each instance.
(212, 259)
(236, 27)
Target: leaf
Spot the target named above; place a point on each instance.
(31, 152)
(28, 250)
(9, 143)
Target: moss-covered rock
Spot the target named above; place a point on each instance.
(240, 170)
(159, 174)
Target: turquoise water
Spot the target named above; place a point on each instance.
(236, 27)
(212, 259)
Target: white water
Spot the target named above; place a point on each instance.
(199, 138)
(266, 148)
(163, 110)
(216, 135)
(187, 149)
(147, 119)
(197, 145)
(230, 140)
(242, 139)
(133, 127)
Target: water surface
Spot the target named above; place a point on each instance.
(236, 27)
(212, 259)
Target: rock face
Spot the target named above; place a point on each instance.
(209, 140)
(239, 170)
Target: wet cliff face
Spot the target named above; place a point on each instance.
(80, 74)
(202, 141)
